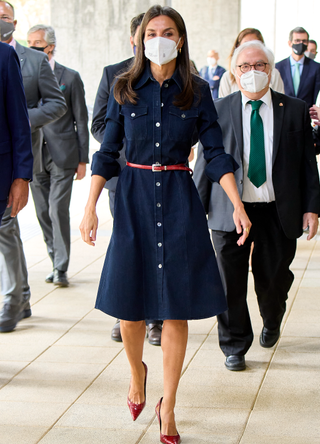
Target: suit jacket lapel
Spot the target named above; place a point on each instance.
(289, 76)
(304, 75)
(236, 119)
(21, 54)
(278, 112)
(58, 71)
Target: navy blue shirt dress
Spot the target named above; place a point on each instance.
(160, 263)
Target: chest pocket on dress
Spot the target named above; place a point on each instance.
(135, 121)
(182, 123)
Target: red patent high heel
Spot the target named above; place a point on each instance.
(166, 439)
(136, 409)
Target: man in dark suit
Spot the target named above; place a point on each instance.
(15, 148)
(300, 74)
(269, 136)
(154, 327)
(65, 152)
(45, 104)
(213, 72)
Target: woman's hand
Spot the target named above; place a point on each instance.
(315, 114)
(240, 217)
(242, 223)
(89, 226)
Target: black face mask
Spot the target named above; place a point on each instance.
(38, 48)
(299, 48)
(7, 29)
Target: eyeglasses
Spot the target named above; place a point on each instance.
(297, 41)
(259, 66)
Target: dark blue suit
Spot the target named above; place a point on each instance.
(15, 143)
(214, 84)
(309, 82)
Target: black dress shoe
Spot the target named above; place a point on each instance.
(154, 333)
(268, 338)
(26, 308)
(10, 315)
(60, 278)
(115, 332)
(235, 363)
(49, 278)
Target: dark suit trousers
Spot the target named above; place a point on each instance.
(51, 191)
(272, 255)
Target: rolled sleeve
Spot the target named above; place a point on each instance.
(218, 162)
(104, 162)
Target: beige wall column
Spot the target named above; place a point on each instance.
(211, 24)
(92, 34)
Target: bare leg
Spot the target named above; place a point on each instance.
(133, 334)
(173, 343)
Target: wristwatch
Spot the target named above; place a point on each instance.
(25, 179)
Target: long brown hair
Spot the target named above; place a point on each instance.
(123, 90)
(237, 43)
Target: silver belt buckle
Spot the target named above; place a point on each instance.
(156, 165)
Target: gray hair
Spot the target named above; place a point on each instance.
(49, 34)
(252, 44)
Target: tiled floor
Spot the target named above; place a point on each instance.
(64, 381)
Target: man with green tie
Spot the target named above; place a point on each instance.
(269, 135)
(300, 74)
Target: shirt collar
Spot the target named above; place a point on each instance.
(146, 75)
(52, 63)
(13, 43)
(267, 99)
(293, 61)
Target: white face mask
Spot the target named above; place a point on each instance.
(254, 81)
(161, 50)
(211, 61)
(310, 55)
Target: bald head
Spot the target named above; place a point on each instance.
(8, 5)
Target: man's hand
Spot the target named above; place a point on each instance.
(310, 220)
(18, 196)
(80, 171)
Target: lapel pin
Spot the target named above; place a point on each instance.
(280, 104)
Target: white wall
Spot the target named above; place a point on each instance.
(276, 18)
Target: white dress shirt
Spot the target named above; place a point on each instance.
(52, 63)
(265, 193)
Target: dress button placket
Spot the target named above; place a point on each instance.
(158, 179)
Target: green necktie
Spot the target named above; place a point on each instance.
(257, 159)
(296, 78)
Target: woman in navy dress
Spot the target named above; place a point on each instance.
(160, 262)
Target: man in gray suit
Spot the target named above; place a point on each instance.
(65, 152)
(269, 136)
(45, 104)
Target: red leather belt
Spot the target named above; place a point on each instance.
(157, 167)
